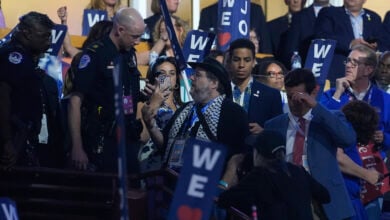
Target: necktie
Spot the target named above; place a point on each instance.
(299, 142)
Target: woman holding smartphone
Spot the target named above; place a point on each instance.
(164, 75)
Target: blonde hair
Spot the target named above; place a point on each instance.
(100, 5)
(179, 23)
(155, 7)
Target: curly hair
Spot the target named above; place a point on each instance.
(34, 18)
(364, 119)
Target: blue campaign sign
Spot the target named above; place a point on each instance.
(319, 59)
(197, 45)
(91, 17)
(8, 209)
(197, 184)
(57, 38)
(52, 65)
(119, 100)
(172, 36)
(233, 21)
(7, 37)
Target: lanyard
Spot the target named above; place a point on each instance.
(192, 118)
(369, 97)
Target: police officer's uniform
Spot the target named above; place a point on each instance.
(94, 79)
(33, 94)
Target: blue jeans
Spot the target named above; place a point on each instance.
(374, 209)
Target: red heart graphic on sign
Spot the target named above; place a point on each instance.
(187, 213)
(224, 38)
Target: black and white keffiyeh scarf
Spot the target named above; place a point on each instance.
(211, 116)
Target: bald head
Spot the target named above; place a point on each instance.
(128, 17)
(127, 29)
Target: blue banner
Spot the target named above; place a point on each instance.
(197, 184)
(121, 135)
(233, 21)
(91, 17)
(172, 36)
(53, 67)
(7, 37)
(8, 209)
(197, 45)
(318, 60)
(58, 34)
(51, 62)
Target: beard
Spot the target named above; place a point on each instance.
(200, 95)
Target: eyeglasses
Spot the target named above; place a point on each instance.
(272, 74)
(354, 63)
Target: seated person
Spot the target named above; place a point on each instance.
(162, 44)
(271, 73)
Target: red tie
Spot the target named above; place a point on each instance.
(299, 142)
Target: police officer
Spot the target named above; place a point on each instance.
(29, 97)
(91, 112)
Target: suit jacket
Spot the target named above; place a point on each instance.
(209, 22)
(334, 23)
(264, 104)
(278, 31)
(301, 32)
(275, 193)
(277, 27)
(386, 26)
(327, 131)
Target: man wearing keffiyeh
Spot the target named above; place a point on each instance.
(211, 116)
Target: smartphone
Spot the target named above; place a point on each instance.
(164, 81)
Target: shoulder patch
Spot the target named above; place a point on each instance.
(84, 60)
(15, 57)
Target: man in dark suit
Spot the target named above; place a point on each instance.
(209, 22)
(313, 134)
(301, 31)
(259, 101)
(386, 26)
(349, 25)
(278, 30)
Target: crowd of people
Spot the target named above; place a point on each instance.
(282, 142)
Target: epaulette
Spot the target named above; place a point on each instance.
(93, 47)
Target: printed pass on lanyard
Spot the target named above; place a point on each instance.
(128, 105)
(43, 136)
